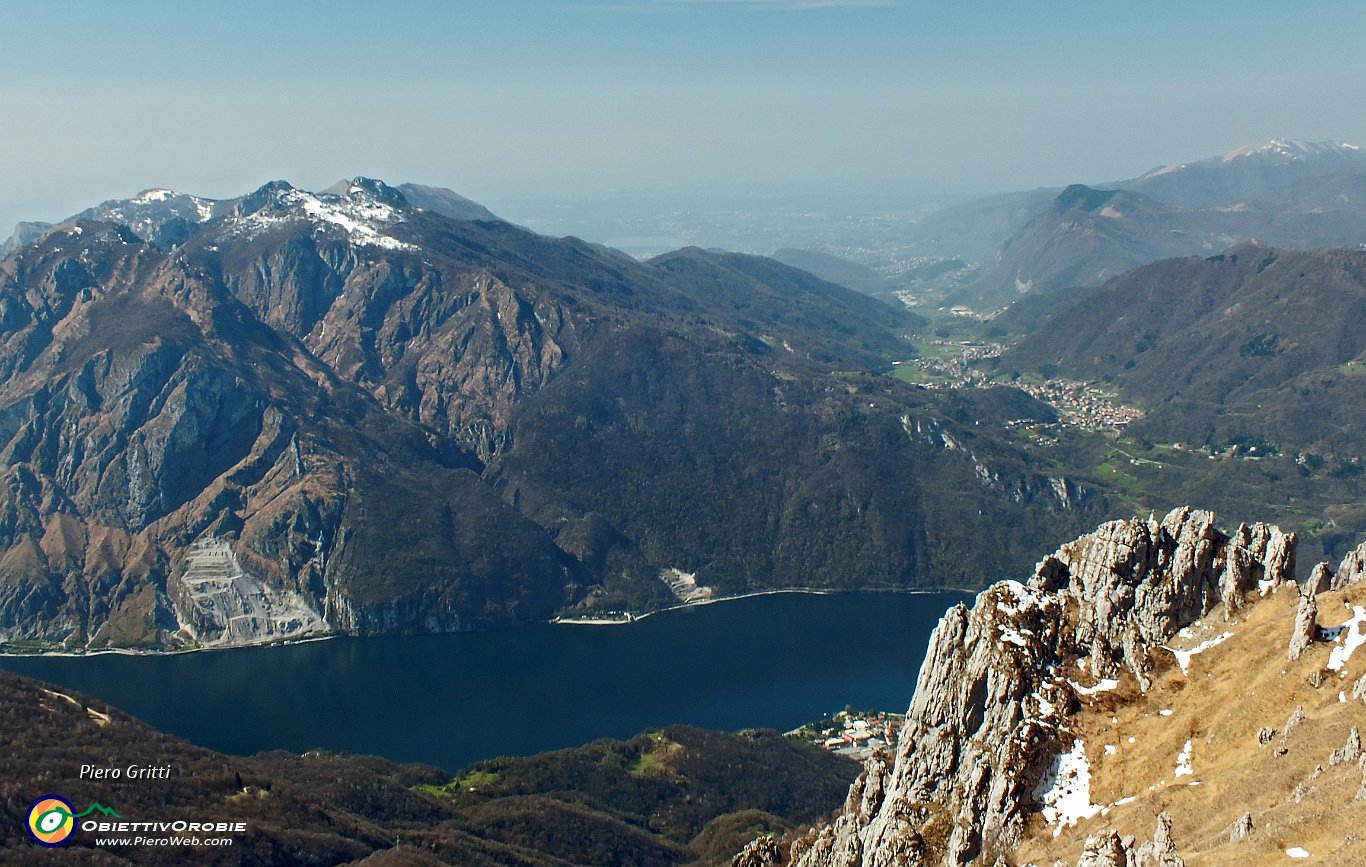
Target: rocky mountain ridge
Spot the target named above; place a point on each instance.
(987, 745)
(403, 421)
(167, 218)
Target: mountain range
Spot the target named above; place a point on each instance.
(1284, 193)
(381, 409)
(227, 422)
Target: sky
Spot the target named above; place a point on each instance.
(543, 99)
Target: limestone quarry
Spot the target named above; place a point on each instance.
(218, 604)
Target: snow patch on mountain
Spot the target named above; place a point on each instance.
(1288, 150)
(1354, 631)
(358, 214)
(1065, 790)
(153, 195)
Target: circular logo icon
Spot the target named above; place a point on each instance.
(51, 820)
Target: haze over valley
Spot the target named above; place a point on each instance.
(767, 433)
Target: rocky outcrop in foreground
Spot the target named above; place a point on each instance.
(1108, 849)
(986, 744)
(1351, 569)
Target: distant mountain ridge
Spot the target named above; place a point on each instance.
(1268, 171)
(165, 216)
(1285, 193)
(845, 272)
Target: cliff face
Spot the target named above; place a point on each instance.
(144, 408)
(451, 347)
(986, 743)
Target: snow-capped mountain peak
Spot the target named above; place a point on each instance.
(363, 212)
(1282, 150)
(150, 209)
(154, 195)
(1318, 156)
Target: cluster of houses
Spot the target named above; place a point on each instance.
(1078, 404)
(857, 734)
(955, 368)
(1083, 405)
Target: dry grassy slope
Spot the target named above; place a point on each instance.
(1230, 692)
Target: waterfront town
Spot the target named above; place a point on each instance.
(853, 733)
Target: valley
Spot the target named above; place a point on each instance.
(384, 415)
(954, 410)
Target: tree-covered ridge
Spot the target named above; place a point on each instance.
(676, 796)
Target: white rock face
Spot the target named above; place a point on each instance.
(989, 716)
(684, 585)
(218, 604)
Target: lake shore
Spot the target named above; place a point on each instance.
(621, 619)
(179, 651)
(627, 617)
(774, 661)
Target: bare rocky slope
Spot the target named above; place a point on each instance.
(1018, 691)
(388, 418)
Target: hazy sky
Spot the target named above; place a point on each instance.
(507, 98)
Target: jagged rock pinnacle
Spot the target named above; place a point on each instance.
(1352, 568)
(1320, 580)
(1306, 625)
(989, 716)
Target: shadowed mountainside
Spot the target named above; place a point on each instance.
(1259, 347)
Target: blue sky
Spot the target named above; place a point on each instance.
(526, 97)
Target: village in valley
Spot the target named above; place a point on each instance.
(950, 364)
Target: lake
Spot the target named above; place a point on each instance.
(773, 661)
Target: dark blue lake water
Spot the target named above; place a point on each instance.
(767, 661)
